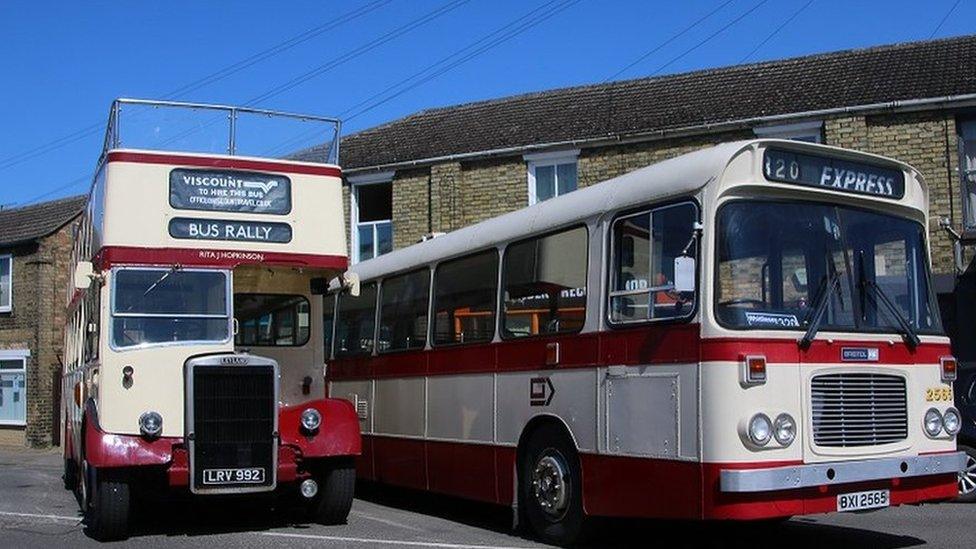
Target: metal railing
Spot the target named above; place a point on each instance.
(205, 122)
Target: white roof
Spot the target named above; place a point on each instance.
(677, 176)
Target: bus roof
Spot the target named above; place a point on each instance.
(678, 176)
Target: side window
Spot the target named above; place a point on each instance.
(355, 322)
(271, 320)
(465, 294)
(645, 247)
(328, 322)
(403, 311)
(544, 281)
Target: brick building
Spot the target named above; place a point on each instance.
(441, 169)
(35, 244)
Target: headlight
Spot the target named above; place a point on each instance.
(951, 421)
(933, 422)
(151, 424)
(760, 429)
(311, 419)
(784, 429)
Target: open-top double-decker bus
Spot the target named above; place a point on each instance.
(743, 332)
(193, 348)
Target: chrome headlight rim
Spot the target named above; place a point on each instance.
(957, 420)
(934, 419)
(781, 421)
(151, 424)
(751, 431)
(310, 420)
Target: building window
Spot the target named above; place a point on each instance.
(6, 283)
(551, 174)
(967, 168)
(13, 387)
(372, 215)
(811, 132)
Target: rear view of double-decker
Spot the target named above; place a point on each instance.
(193, 349)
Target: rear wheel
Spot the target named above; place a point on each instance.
(107, 508)
(550, 486)
(337, 485)
(967, 478)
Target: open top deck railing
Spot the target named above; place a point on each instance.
(176, 126)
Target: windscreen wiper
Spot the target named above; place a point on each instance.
(911, 338)
(827, 289)
(159, 281)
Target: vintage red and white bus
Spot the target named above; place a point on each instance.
(193, 348)
(744, 332)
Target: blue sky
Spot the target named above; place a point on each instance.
(63, 62)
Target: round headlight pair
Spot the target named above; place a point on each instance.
(762, 430)
(151, 424)
(935, 422)
(311, 419)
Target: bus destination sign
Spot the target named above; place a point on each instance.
(229, 191)
(833, 173)
(222, 229)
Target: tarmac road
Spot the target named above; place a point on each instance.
(36, 512)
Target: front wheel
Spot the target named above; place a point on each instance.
(337, 486)
(550, 487)
(107, 510)
(967, 477)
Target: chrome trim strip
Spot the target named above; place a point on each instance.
(823, 474)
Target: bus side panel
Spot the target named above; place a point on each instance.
(400, 461)
(641, 487)
(465, 470)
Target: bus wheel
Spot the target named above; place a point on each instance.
(336, 486)
(967, 478)
(550, 487)
(107, 511)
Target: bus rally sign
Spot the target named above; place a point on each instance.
(222, 229)
(229, 191)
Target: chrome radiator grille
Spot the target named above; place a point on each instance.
(858, 409)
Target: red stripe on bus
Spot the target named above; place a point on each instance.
(820, 351)
(620, 485)
(112, 255)
(223, 162)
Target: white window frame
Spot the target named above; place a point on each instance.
(22, 355)
(798, 130)
(355, 183)
(553, 158)
(10, 284)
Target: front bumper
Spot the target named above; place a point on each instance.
(825, 474)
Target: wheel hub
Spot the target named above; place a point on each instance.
(550, 486)
(967, 477)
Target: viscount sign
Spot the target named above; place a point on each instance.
(229, 191)
(220, 229)
(832, 173)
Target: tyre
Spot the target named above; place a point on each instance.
(550, 486)
(70, 475)
(337, 486)
(967, 478)
(107, 510)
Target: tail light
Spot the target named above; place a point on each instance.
(948, 368)
(753, 371)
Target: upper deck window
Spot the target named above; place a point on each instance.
(774, 259)
(544, 282)
(6, 283)
(646, 246)
(465, 297)
(271, 320)
(356, 321)
(158, 306)
(551, 174)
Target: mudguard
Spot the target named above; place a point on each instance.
(337, 436)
